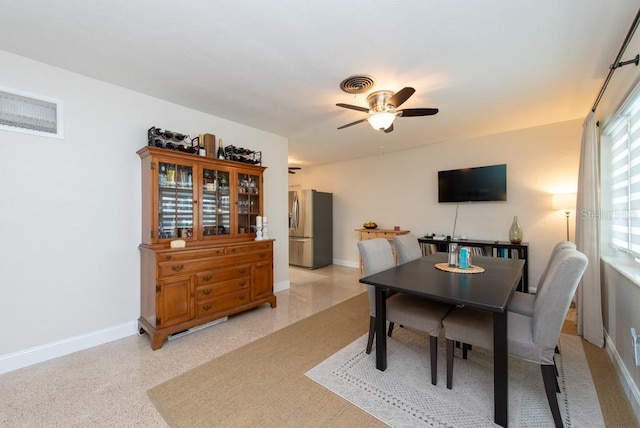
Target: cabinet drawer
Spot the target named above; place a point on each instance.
(223, 303)
(222, 274)
(180, 267)
(190, 254)
(377, 233)
(209, 291)
(371, 235)
(240, 249)
(259, 256)
(385, 235)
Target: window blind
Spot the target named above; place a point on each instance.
(624, 169)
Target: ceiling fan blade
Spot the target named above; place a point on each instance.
(410, 112)
(352, 107)
(389, 129)
(353, 123)
(401, 96)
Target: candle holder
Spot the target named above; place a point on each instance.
(259, 228)
(265, 234)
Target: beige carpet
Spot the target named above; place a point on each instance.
(263, 383)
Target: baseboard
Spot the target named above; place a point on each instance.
(347, 263)
(629, 386)
(39, 354)
(281, 286)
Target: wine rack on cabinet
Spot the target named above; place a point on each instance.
(211, 205)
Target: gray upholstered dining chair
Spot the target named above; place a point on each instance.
(406, 310)
(532, 338)
(522, 303)
(407, 248)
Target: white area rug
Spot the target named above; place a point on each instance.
(302, 277)
(402, 396)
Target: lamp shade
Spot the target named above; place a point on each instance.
(381, 121)
(564, 201)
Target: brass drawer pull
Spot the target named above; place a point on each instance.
(207, 277)
(243, 270)
(243, 283)
(206, 292)
(262, 255)
(177, 268)
(206, 307)
(242, 297)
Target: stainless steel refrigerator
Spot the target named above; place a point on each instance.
(310, 228)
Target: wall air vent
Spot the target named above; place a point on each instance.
(30, 114)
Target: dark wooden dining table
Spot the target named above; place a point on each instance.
(490, 290)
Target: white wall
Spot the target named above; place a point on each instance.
(400, 189)
(70, 216)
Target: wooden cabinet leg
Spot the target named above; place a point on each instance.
(157, 340)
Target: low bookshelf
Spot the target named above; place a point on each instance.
(484, 248)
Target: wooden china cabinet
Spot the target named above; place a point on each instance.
(212, 206)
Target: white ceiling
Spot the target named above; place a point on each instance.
(489, 66)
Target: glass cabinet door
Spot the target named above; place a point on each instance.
(175, 201)
(216, 204)
(248, 202)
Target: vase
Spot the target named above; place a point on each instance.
(515, 231)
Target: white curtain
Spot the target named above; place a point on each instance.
(589, 296)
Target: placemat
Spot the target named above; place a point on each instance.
(471, 269)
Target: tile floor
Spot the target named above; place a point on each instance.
(106, 386)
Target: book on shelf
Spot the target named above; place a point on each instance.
(507, 253)
(428, 248)
(477, 251)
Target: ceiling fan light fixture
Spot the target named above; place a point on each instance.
(381, 121)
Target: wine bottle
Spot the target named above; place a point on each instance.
(198, 143)
(220, 149)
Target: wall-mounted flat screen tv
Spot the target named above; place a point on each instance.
(479, 184)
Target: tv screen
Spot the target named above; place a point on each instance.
(483, 183)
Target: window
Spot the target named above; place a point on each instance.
(31, 114)
(621, 186)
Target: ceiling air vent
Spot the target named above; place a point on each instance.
(357, 84)
(30, 114)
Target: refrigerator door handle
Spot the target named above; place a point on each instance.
(295, 221)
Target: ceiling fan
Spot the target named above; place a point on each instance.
(292, 169)
(383, 109)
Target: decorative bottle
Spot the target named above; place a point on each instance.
(220, 149)
(515, 232)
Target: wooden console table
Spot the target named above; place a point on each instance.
(387, 234)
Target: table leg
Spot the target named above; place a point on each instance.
(500, 369)
(381, 337)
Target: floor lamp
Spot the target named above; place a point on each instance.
(565, 202)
